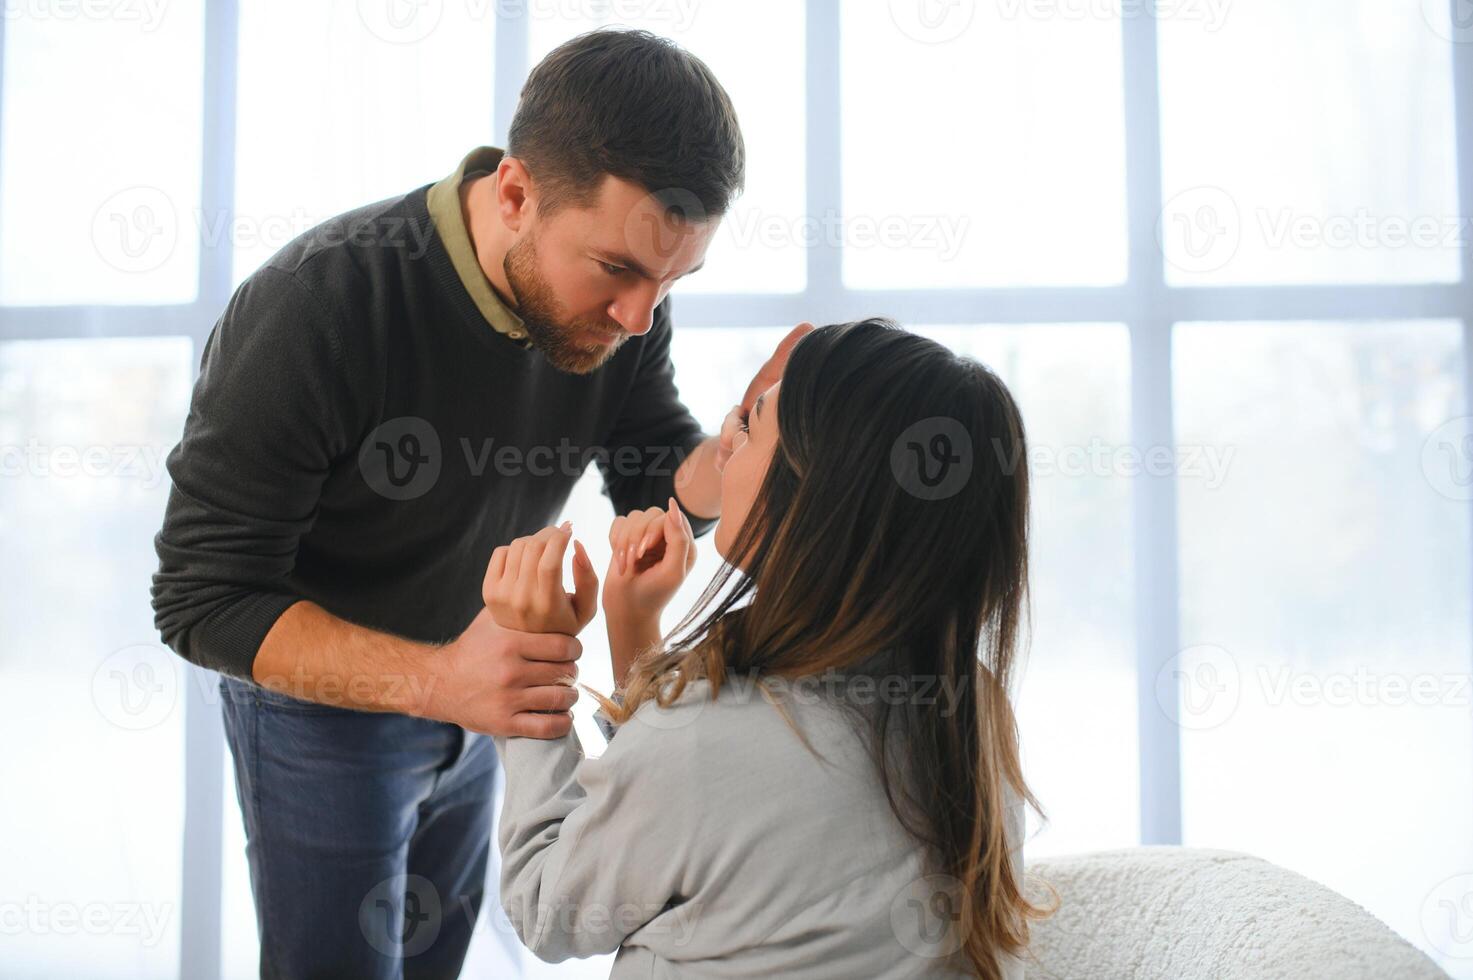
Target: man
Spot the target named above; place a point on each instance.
(392, 396)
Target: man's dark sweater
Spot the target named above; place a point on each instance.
(361, 437)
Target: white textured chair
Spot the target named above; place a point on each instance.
(1187, 914)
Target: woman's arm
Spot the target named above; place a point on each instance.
(593, 849)
(629, 635)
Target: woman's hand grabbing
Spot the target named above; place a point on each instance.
(523, 588)
(654, 550)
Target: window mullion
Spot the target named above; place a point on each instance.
(823, 169)
(201, 919)
(1157, 585)
(1462, 54)
(510, 67)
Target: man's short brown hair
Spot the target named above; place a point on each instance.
(634, 105)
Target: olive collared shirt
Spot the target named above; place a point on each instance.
(443, 201)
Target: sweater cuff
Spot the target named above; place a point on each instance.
(228, 640)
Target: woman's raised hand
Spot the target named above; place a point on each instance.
(523, 588)
(654, 550)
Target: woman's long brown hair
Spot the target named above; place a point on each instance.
(891, 528)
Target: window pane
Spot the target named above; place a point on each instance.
(99, 179)
(1309, 142)
(91, 704)
(756, 50)
(381, 98)
(983, 146)
(1325, 602)
(1077, 701)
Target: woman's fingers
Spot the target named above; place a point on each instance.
(639, 539)
(627, 533)
(491, 585)
(677, 541)
(527, 583)
(652, 531)
(656, 532)
(513, 565)
(532, 552)
(550, 566)
(585, 585)
(690, 537)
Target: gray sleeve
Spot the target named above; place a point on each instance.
(592, 849)
(654, 434)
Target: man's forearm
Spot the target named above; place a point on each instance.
(698, 482)
(628, 638)
(311, 654)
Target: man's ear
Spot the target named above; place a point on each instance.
(515, 194)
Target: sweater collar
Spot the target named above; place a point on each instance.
(443, 203)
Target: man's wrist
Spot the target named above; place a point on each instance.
(422, 664)
(431, 691)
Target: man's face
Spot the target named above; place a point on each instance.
(588, 278)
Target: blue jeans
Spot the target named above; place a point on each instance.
(367, 835)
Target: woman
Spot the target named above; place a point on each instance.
(817, 778)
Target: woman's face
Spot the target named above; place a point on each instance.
(746, 468)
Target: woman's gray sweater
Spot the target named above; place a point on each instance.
(707, 840)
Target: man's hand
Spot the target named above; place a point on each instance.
(523, 587)
(503, 682)
(770, 374)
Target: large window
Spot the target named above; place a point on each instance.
(1221, 255)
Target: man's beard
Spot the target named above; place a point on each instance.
(565, 343)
